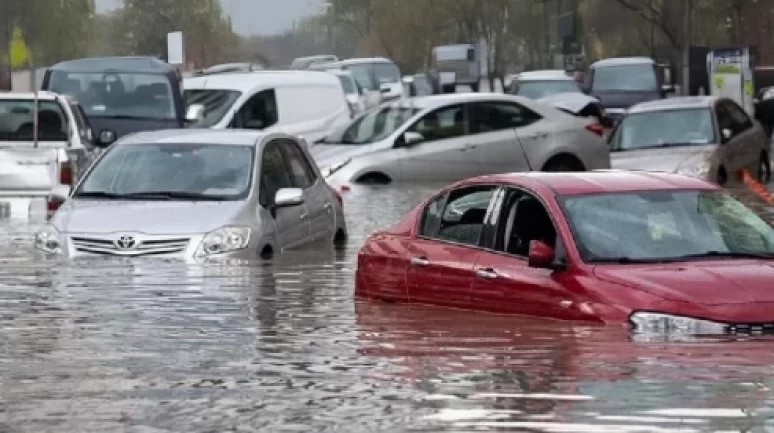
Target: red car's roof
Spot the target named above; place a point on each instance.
(603, 181)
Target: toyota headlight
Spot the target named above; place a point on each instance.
(48, 240)
(327, 171)
(698, 170)
(224, 240)
(657, 323)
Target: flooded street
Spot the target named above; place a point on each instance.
(148, 346)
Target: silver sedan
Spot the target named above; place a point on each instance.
(707, 137)
(456, 136)
(197, 195)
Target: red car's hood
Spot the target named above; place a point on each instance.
(705, 283)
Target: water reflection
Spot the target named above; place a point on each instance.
(487, 371)
(279, 346)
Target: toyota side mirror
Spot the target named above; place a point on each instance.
(411, 137)
(195, 113)
(106, 138)
(287, 197)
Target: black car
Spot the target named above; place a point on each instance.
(121, 95)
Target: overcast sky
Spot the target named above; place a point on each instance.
(253, 16)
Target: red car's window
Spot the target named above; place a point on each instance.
(462, 218)
(524, 219)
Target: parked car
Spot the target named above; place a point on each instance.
(30, 169)
(121, 95)
(539, 84)
(661, 252)
(307, 103)
(625, 81)
(226, 68)
(708, 137)
(454, 136)
(373, 74)
(306, 62)
(579, 104)
(356, 98)
(197, 194)
(417, 85)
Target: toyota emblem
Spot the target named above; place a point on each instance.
(126, 243)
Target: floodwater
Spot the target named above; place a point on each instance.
(148, 346)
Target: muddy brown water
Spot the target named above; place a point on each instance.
(149, 346)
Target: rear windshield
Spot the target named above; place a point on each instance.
(16, 121)
(640, 77)
(541, 89)
(118, 95)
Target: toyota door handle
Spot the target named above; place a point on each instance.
(468, 148)
(420, 261)
(327, 206)
(486, 274)
(304, 216)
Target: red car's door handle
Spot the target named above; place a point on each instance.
(486, 274)
(420, 261)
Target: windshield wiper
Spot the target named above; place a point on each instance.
(153, 195)
(627, 260)
(98, 194)
(129, 117)
(174, 195)
(725, 254)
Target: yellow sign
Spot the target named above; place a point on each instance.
(20, 54)
(656, 233)
(748, 88)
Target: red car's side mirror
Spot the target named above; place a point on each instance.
(541, 255)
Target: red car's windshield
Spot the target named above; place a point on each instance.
(665, 226)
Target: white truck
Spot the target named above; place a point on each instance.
(37, 157)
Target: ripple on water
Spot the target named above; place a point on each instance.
(154, 346)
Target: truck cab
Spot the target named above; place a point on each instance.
(41, 148)
(455, 65)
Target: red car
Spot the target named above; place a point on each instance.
(662, 252)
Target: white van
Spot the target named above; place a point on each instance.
(373, 74)
(305, 103)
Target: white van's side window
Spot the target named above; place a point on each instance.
(259, 112)
(296, 103)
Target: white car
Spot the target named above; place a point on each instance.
(306, 103)
(29, 170)
(456, 136)
(540, 84)
(355, 96)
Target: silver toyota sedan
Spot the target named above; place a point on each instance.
(197, 195)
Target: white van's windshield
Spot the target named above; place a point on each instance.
(118, 95)
(216, 104)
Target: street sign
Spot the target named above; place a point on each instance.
(175, 48)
